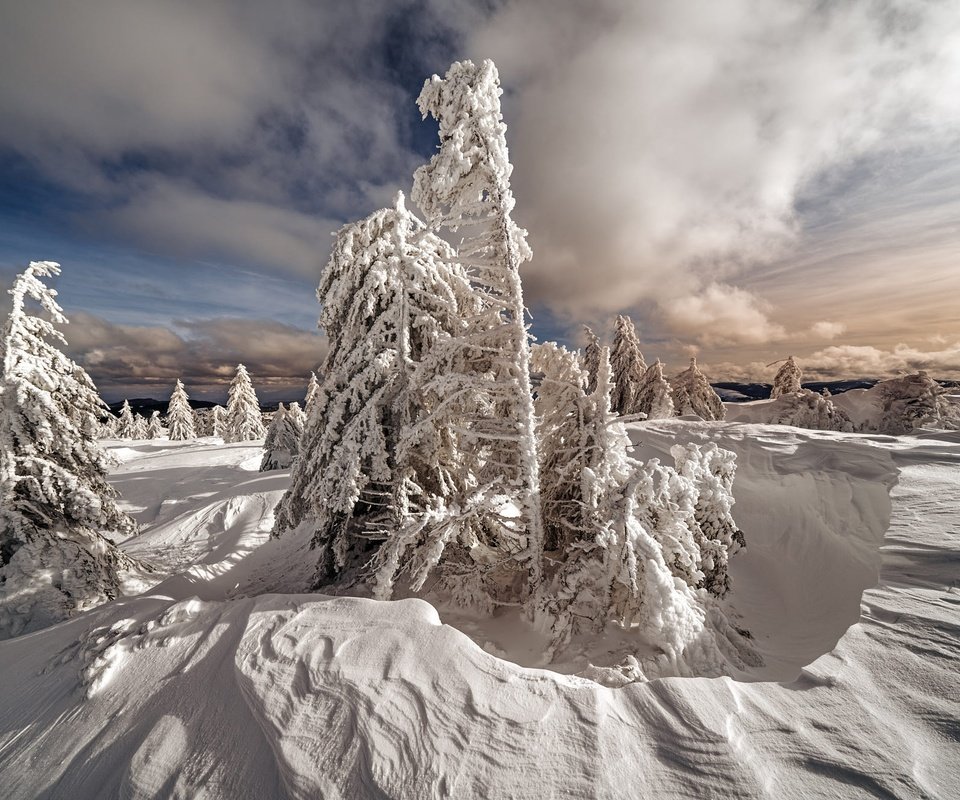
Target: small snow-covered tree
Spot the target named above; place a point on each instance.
(126, 425)
(109, 426)
(140, 427)
(591, 357)
(218, 422)
(692, 390)
(180, 415)
(313, 390)
(907, 403)
(628, 367)
(297, 417)
(55, 501)
(466, 188)
(654, 397)
(282, 441)
(807, 409)
(154, 426)
(243, 422)
(787, 379)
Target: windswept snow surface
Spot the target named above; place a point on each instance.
(194, 689)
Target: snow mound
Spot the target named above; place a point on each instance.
(177, 694)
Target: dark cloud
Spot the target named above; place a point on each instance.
(132, 360)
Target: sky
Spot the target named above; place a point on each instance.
(747, 180)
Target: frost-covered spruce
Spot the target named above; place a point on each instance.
(140, 427)
(55, 501)
(910, 402)
(244, 422)
(313, 390)
(561, 406)
(591, 357)
(466, 189)
(710, 470)
(692, 390)
(126, 424)
(807, 409)
(654, 397)
(201, 421)
(282, 441)
(109, 426)
(180, 415)
(297, 417)
(154, 426)
(787, 379)
(218, 422)
(627, 365)
(389, 294)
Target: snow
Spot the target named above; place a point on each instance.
(201, 686)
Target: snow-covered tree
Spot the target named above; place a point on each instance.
(140, 427)
(282, 441)
(787, 379)
(390, 292)
(627, 365)
(180, 415)
(466, 188)
(218, 422)
(909, 402)
(109, 426)
(297, 417)
(154, 426)
(807, 409)
(692, 393)
(710, 471)
(55, 501)
(313, 390)
(654, 397)
(561, 405)
(591, 357)
(126, 425)
(243, 422)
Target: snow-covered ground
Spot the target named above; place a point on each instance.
(201, 686)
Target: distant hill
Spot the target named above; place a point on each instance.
(745, 392)
(145, 406)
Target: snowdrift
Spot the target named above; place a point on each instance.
(194, 689)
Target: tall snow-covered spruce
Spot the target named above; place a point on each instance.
(55, 502)
(180, 415)
(466, 189)
(627, 366)
(591, 357)
(244, 422)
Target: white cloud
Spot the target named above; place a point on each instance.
(723, 314)
(852, 361)
(828, 330)
(662, 146)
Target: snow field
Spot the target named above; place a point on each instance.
(192, 689)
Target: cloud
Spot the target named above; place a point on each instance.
(723, 314)
(135, 360)
(852, 361)
(828, 330)
(660, 147)
(185, 222)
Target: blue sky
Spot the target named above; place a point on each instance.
(747, 181)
